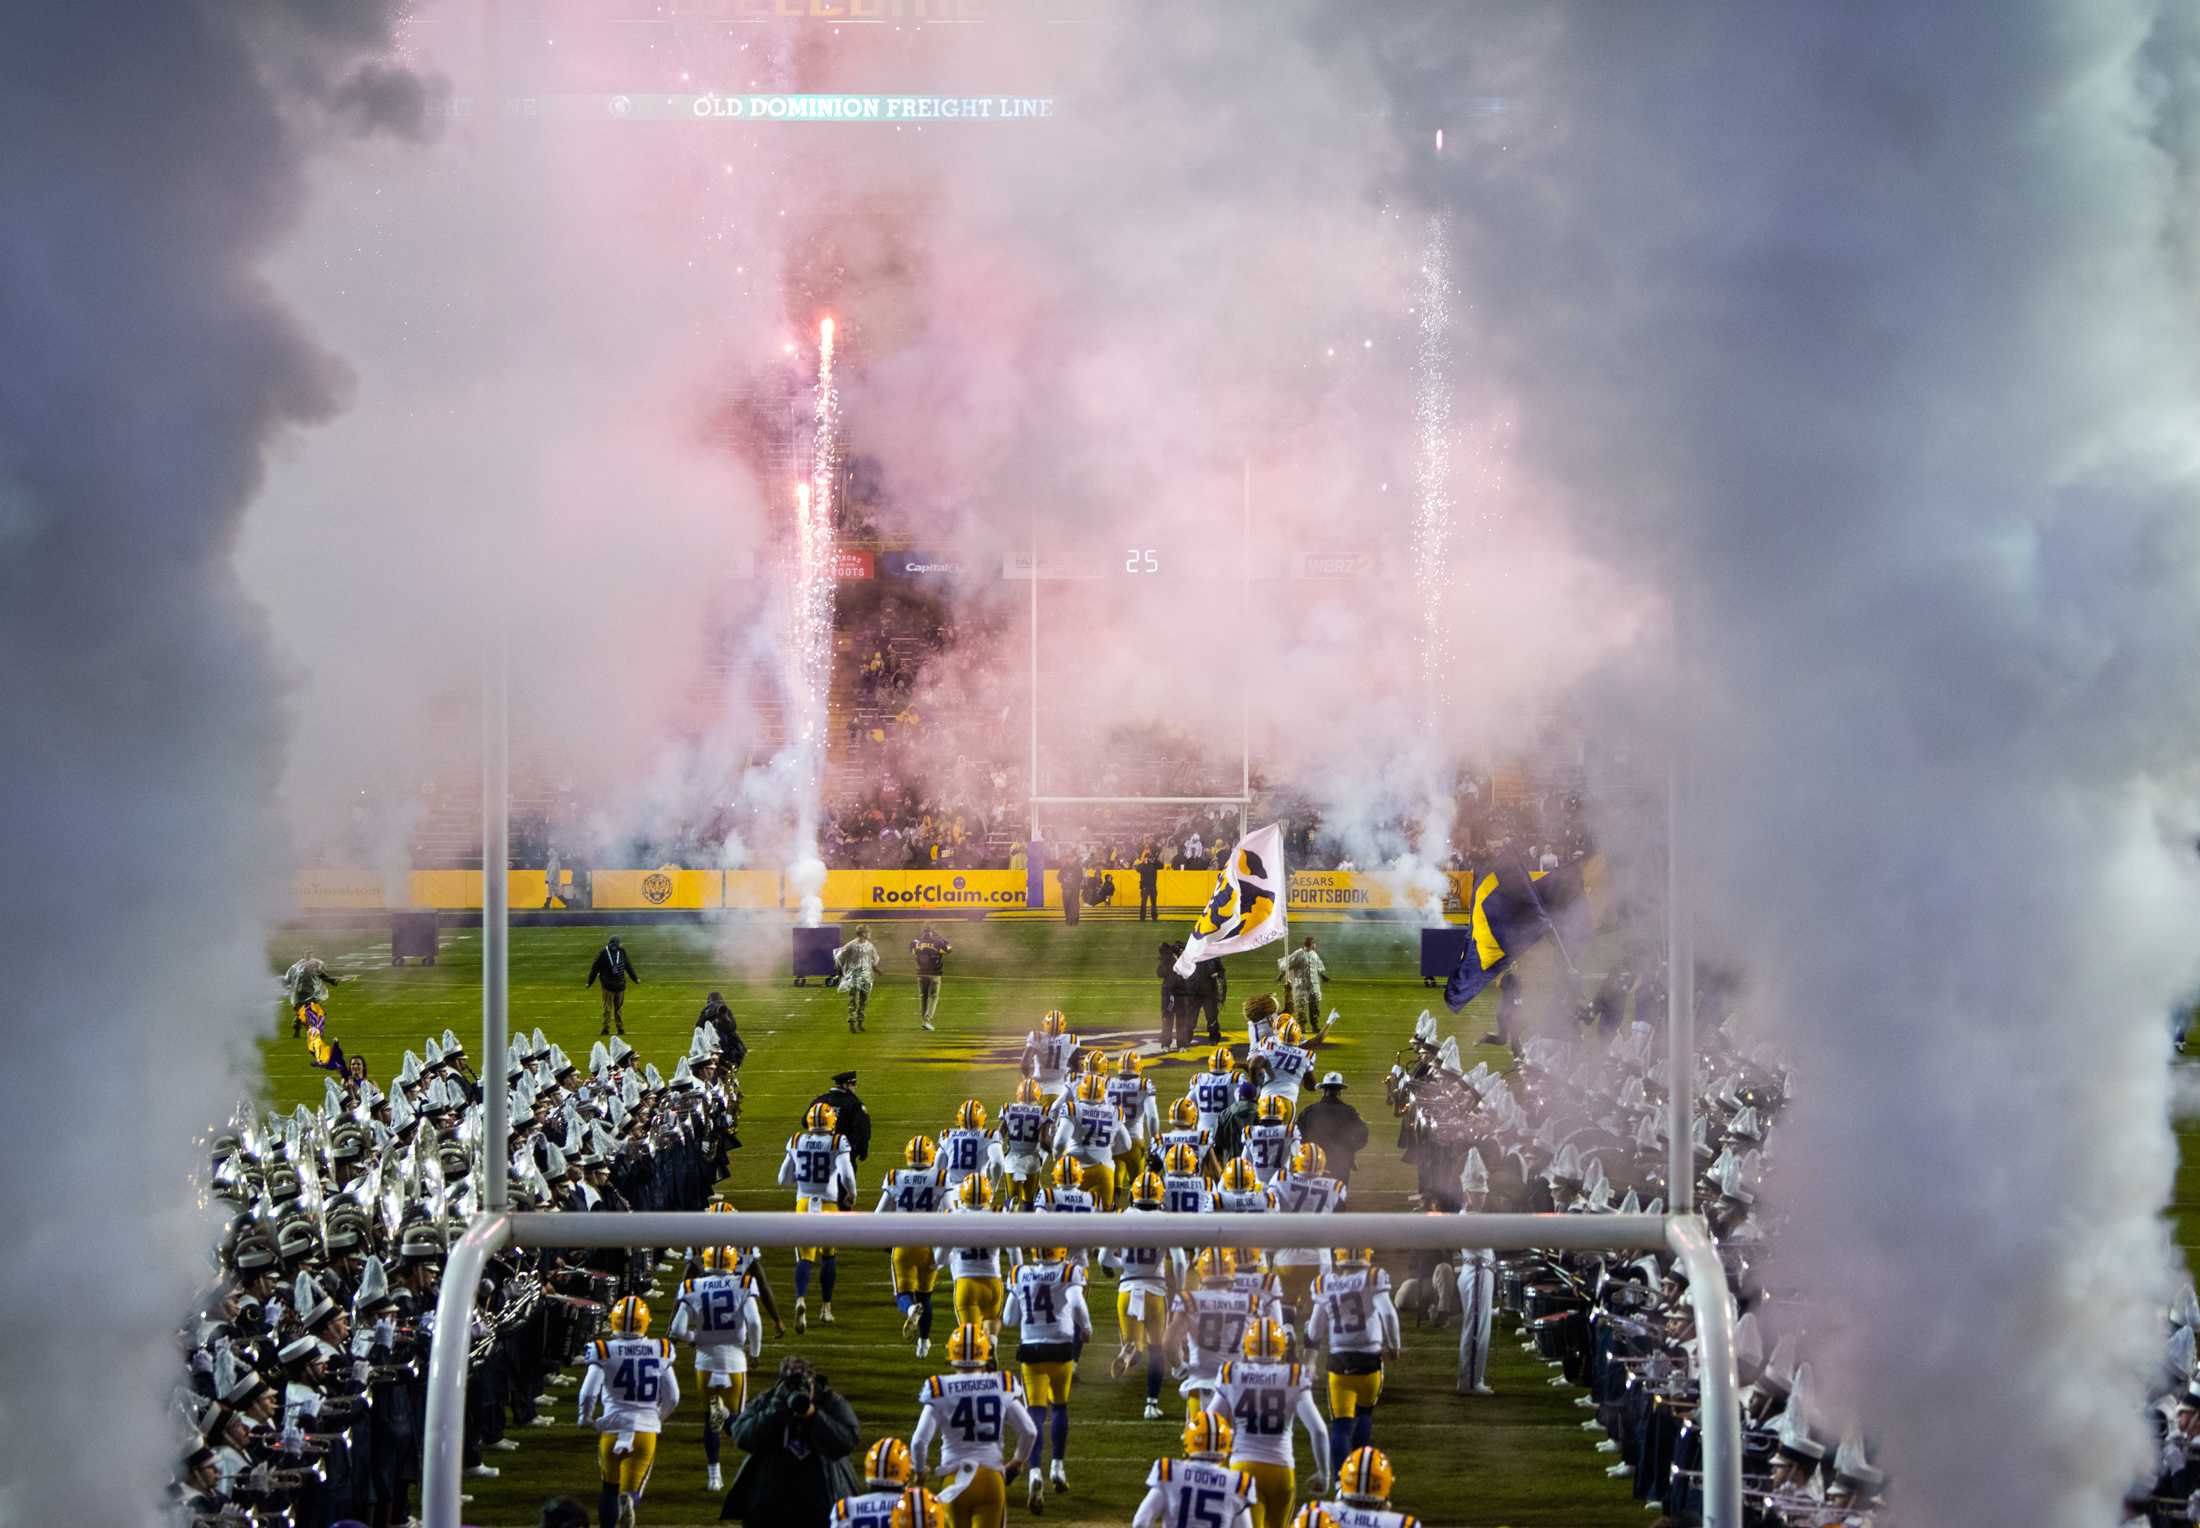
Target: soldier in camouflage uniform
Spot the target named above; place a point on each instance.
(857, 962)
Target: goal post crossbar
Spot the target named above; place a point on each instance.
(1686, 1237)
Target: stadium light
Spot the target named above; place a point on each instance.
(1686, 1237)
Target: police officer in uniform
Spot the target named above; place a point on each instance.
(850, 1118)
(1148, 866)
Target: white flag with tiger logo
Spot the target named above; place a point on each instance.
(1246, 908)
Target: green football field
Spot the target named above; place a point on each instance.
(1519, 1457)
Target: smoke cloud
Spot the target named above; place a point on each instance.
(155, 152)
(1864, 330)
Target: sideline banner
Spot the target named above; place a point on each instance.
(753, 889)
(919, 891)
(337, 886)
(667, 886)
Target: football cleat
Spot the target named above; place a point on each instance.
(1035, 1494)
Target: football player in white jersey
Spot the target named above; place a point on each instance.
(1184, 1186)
(887, 1469)
(1302, 1188)
(1144, 1276)
(1239, 1190)
(1133, 1097)
(1286, 1066)
(1068, 1196)
(1363, 1494)
(821, 1169)
(1092, 1134)
(965, 1147)
(1020, 1143)
(1271, 1137)
(1200, 1489)
(630, 1389)
(1046, 1304)
(1357, 1325)
(717, 1311)
(976, 1270)
(983, 1428)
(1050, 1054)
(1264, 1396)
(1207, 1321)
(1213, 1090)
(917, 1187)
(1183, 1130)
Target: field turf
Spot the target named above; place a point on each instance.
(1519, 1457)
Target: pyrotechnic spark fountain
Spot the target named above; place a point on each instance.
(1432, 465)
(810, 643)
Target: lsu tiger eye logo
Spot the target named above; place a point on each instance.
(656, 888)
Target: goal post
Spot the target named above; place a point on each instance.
(1685, 1237)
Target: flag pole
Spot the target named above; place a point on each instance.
(1680, 947)
(1245, 702)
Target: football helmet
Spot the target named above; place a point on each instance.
(820, 1117)
(1265, 1341)
(1094, 1063)
(1184, 1114)
(974, 1193)
(1092, 1088)
(970, 1348)
(1027, 1091)
(1309, 1161)
(1055, 1022)
(1128, 1065)
(1222, 1061)
(1312, 1515)
(1046, 1254)
(630, 1317)
(888, 1464)
(1352, 1257)
(1289, 1033)
(1214, 1265)
(970, 1115)
(1209, 1433)
(720, 1260)
(1147, 1189)
(720, 1207)
(1239, 1177)
(920, 1152)
(1066, 1174)
(918, 1508)
(1180, 1159)
(1273, 1109)
(1365, 1479)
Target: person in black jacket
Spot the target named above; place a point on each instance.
(1335, 1126)
(718, 1018)
(1072, 876)
(1204, 990)
(798, 1436)
(1176, 1000)
(850, 1117)
(1148, 866)
(931, 952)
(613, 970)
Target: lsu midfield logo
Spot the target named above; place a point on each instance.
(1246, 908)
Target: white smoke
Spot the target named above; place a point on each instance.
(1877, 324)
(154, 153)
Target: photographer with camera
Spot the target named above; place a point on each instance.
(798, 1436)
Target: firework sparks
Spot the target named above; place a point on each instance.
(810, 646)
(1432, 464)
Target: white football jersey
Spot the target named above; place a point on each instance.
(916, 1190)
(968, 1262)
(1093, 1133)
(1288, 1066)
(722, 1320)
(1269, 1147)
(1190, 1136)
(1050, 1056)
(1215, 1324)
(1349, 1516)
(1211, 1093)
(1023, 1131)
(963, 1153)
(1145, 1268)
(817, 1164)
(1262, 1400)
(1133, 1100)
(1046, 1304)
(636, 1376)
(1193, 1491)
(970, 1412)
(1185, 1193)
(1353, 1312)
(866, 1509)
(1310, 1194)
